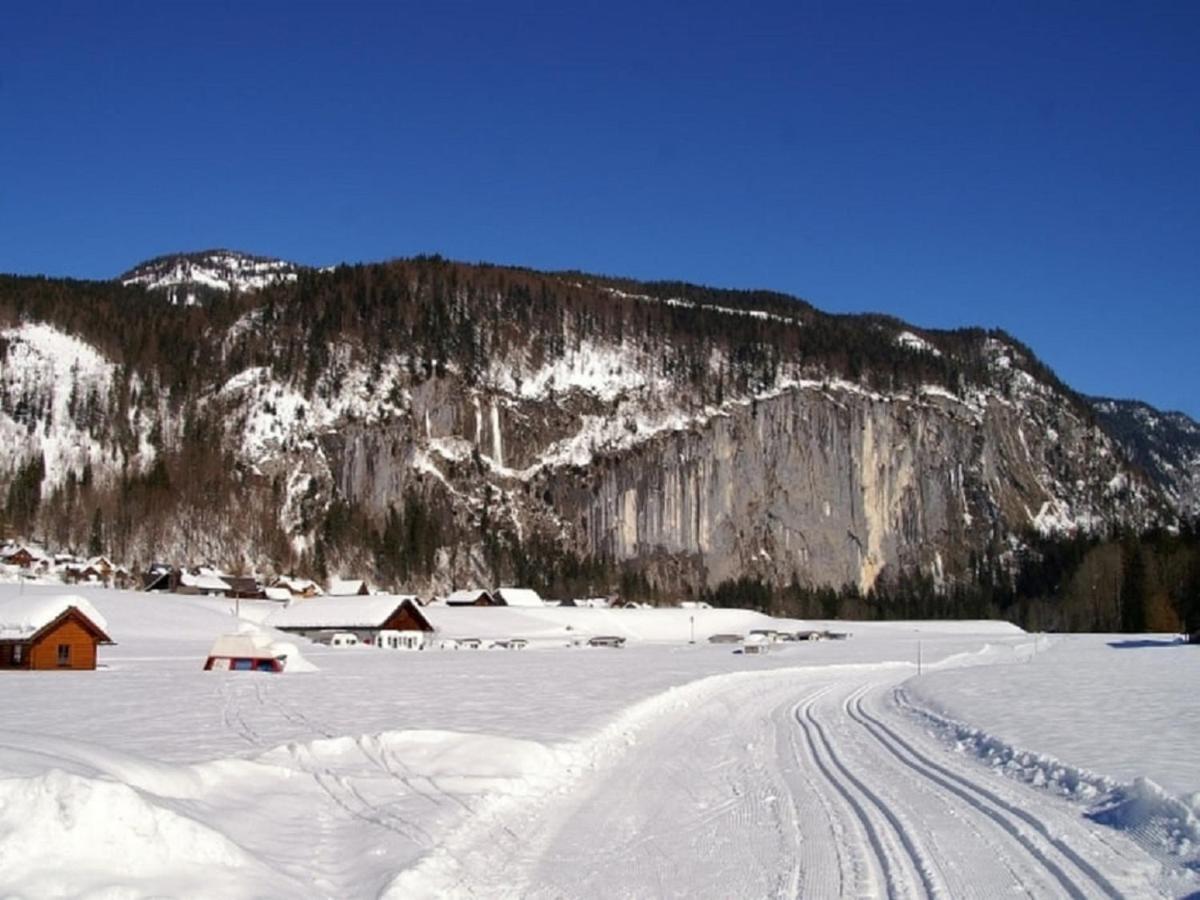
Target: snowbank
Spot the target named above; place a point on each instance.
(65, 835)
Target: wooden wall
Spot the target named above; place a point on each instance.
(44, 653)
(407, 619)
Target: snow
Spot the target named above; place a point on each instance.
(338, 612)
(221, 271)
(251, 642)
(519, 597)
(203, 582)
(1138, 692)
(662, 767)
(21, 617)
(916, 342)
(595, 368)
(345, 587)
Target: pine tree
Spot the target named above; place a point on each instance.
(96, 540)
(1133, 589)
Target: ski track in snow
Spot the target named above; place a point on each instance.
(803, 786)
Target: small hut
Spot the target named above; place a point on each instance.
(43, 632)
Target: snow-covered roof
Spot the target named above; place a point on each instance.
(35, 552)
(339, 587)
(519, 596)
(277, 593)
(23, 617)
(203, 582)
(339, 612)
(297, 585)
(465, 596)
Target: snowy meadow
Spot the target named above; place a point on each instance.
(1048, 765)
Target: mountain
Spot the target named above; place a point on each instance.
(434, 424)
(189, 278)
(1166, 445)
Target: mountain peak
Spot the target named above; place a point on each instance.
(187, 277)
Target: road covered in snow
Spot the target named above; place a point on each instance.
(662, 769)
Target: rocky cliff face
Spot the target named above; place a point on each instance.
(525, 420)
(822, 482)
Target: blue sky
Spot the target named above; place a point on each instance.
(1031, 166)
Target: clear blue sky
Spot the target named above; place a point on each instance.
(1031, 166)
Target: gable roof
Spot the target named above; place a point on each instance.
(339, 587)
(204, 582)
(519, 596)
(341, 612)
(297, 585)
(467, 597)
(25, 618)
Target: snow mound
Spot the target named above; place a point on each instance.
(295, 661)
(250, 641)
(22, 617)
(66, 835)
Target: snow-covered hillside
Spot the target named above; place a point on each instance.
(1164, 444)
(681, 436)
(183, 277)
(54, 400)
(582, 772)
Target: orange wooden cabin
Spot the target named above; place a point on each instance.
(67, 642)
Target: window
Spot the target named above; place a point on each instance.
(64, 654)
(18, 652)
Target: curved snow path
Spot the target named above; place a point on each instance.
(803, 784)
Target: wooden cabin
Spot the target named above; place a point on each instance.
(244, 587)
(21, 557)
(160, 577)
(68, 641)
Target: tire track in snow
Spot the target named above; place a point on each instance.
(986, 802)
(901, 860)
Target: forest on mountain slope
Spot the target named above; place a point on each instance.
(444, 317)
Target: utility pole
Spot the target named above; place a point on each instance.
(692, 619)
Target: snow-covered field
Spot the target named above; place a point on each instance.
(660, 769)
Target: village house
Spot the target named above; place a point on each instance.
(23, 556)
(510, 596)
(205, 584)
(160, 577)
(353, 587)
(50, 633)
(244, 587)
(297, 587)
(470, 597)
(364, 617)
